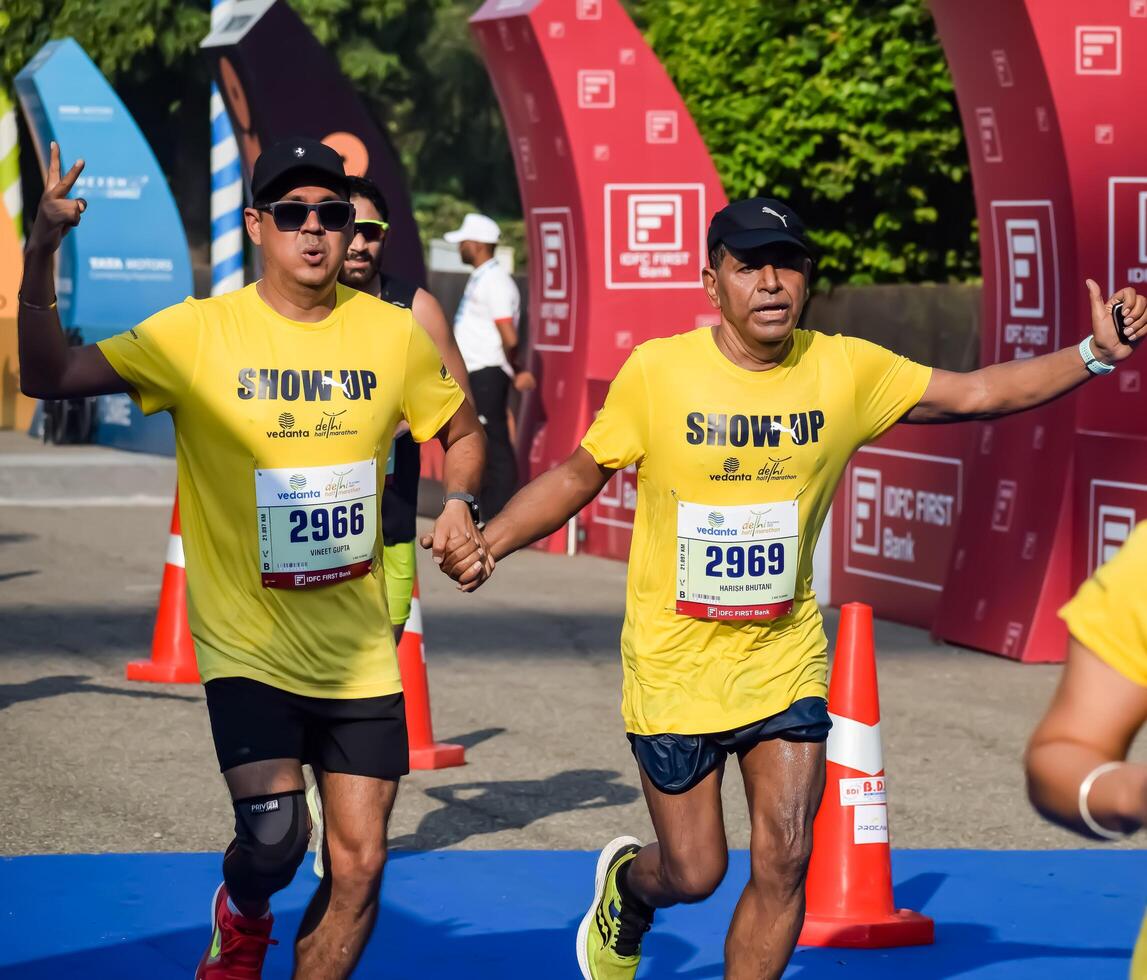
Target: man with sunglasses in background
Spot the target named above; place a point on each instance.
(285, 397)
(361, 270)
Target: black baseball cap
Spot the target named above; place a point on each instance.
(758, 221)
(295, 163)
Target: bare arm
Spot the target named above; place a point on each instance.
(545, 504)
(1092, 720)
(428, 312)
(509, 335)
(538, 509)
(465, 443)
(1002, 389)
(49, 367)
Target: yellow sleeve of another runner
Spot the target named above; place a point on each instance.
(430, 396)
(887, 385)
(1108, 614)
(158, 357)
(619, 435)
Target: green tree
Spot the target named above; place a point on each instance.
(846, 109)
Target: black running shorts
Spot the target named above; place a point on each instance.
(676, 763)
(253, 722)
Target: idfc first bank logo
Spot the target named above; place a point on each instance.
(1027, 278)
(1114, 508)
(1126, 232)
(654, 236)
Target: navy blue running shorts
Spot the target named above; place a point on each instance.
(676, 763)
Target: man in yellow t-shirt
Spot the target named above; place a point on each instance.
(740, 433)
(285, 397)
(1078, 776)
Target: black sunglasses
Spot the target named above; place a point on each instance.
(371, 229)
(292, 215)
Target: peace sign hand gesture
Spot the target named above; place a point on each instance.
(57, 212)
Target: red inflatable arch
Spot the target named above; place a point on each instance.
(617, 191)
(1050, 94)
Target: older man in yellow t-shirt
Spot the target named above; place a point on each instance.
(1078, 776)
(740, 433)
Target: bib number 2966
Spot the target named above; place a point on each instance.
(321, 524)
(317, 524)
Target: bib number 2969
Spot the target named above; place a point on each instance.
(321, 524)
(737, 562)
(734, 561)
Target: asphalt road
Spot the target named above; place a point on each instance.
(525, 674)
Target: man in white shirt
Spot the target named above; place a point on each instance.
(486, 330)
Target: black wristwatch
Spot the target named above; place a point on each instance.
(469, 501)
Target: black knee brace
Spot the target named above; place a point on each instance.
(271, 838)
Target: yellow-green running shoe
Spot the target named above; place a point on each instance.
(609, 937)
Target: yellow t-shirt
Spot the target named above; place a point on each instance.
(303, 405)
(1101, 617)
(701, 430)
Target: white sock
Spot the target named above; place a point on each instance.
(235, 911)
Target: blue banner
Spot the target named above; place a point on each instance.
(128, 258)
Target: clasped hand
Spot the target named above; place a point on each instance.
(459, 547)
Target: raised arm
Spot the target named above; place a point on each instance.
(49, 367)
(1003, 389)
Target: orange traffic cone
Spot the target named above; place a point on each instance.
(172, 652)
(850, 876)
(425, 753)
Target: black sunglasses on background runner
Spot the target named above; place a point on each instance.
(371, 229)
(292, 215)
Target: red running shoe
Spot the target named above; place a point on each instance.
(238, 944)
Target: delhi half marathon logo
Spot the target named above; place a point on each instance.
(716, 518)
(332, 424)
(298, 481)
(286, 421)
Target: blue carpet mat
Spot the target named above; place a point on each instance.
(505, 915)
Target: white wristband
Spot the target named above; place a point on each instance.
(1084, 789)
(1090, 361)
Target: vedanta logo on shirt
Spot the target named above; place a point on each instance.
(715, 429)
(290, 385)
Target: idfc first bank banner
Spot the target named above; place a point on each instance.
(1050, 92)
(617, 191)
(128, 258)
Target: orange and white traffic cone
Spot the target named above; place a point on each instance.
(425, 753)
(172, 651)
(849, 891)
